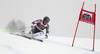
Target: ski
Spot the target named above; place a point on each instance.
(31, 38)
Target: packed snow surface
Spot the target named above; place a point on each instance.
(12, 44)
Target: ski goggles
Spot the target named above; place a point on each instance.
(46, 21)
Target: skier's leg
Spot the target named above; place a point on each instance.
(36, 32)
(27, 33)
(32, 31)
(39, 34)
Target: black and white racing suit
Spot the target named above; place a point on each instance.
(39, 27)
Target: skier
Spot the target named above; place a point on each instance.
(39, 25)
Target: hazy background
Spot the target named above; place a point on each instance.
(64, 15)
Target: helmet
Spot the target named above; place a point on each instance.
(47, 19)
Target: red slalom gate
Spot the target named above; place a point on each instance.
(88, 17)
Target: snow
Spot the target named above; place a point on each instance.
(11, 44)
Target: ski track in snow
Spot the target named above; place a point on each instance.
(60, 43)
(10, 49)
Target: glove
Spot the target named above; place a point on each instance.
(32, 26)
(46, 37)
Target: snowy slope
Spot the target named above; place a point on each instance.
(11, 44)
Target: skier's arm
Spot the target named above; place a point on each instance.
(35, 22)
(47, 31)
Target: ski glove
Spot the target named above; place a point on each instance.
(46, 37)
(32, 26)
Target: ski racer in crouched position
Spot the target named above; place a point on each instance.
(39, 25)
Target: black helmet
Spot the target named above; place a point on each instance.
(46, 19)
